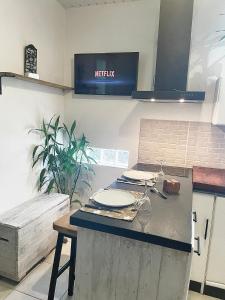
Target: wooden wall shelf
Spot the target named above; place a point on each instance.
(32, 80)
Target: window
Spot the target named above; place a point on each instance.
(110, 157)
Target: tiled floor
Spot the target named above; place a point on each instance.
(196, 296)
(35, 285)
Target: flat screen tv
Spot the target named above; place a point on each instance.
(106, 73)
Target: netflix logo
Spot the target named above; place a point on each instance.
(99, 74)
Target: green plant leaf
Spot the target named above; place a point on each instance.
(34, 151)
(38, 158)
(74, 144)
(35, 129)
(47, 139)
(42, 174)
(50, 147)
(77, 201)
(45, 156)
(54, 140)
(42, 178)
(45, 181)
(50, 186)
(49, 123)
(44, 127)
(73, 126)
(57, 150)
(34, 163)
(66, 129)
(63, 161)
(92, 159)
(89, 158)
(86, 183)
(88, 168)
(41, 184)
(57, 122)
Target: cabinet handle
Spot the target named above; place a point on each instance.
(195, 217)
(198, 251)
(206, 229)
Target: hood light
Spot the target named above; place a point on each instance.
(153, 100)
(181, 100)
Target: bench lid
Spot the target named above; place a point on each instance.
(30, 210)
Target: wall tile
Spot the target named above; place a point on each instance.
(182, 143)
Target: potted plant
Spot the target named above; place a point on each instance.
(64, 158)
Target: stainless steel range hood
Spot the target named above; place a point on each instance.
(173, 51)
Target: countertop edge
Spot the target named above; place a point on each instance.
(152, 239)
(208, 189)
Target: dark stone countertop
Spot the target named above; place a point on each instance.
(170, 224)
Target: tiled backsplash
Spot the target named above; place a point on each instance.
(181, 143)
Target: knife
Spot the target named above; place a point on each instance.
(122, 180)
(101, 208)
(155, 190)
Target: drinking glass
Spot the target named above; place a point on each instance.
(144, 212)
(161, 173)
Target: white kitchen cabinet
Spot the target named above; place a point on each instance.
(203, 206)
(216, 261)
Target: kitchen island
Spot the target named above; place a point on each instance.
(120, 260)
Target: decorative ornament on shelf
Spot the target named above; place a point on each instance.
(30, 62)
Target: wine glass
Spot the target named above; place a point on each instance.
(161, 173)
(144, 212)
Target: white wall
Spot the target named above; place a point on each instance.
(39, 22)
(23, 105)
(133, 26)
(107, 121)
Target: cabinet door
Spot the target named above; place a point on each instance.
(216, 261)
(203, 206)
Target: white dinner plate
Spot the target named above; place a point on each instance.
(139, 175)
(114, 198)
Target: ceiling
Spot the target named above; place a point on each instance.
(81, 3)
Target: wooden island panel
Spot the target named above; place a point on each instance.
(117, 268)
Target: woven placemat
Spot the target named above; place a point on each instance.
(126, 213)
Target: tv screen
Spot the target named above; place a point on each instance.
(106, 73)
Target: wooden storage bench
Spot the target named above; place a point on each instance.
(27, 235)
